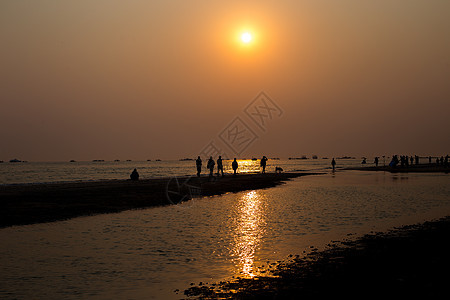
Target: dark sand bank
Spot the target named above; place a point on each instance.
(27, 204)
(412, 261)
(423, 168)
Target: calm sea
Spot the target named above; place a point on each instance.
(42, 172)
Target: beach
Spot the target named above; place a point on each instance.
(420, 168)
(235, 238)
(37, 203)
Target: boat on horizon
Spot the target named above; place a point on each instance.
(15, 160)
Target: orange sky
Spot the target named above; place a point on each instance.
(161, 79)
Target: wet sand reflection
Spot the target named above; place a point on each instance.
(249, 229)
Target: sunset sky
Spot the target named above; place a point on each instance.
(137, 79)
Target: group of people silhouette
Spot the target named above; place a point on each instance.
(443, 161)
(234, 165)
(406, 161)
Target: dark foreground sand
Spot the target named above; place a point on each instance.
(35, 203)
(411, 262)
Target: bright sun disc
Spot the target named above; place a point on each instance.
(246, 37)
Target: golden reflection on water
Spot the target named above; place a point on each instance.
(249, 230)
(245, 166)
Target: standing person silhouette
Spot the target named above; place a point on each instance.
(198, 162)
(333, 164)
(376, 161)
(210, 166)
(219, 166)
(234, 165)
(263, 164)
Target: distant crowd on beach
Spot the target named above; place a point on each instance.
(407, 161)
(402, 161)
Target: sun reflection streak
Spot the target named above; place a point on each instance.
(249, 229)
(245, 166)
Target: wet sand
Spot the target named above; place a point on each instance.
(37, 203)
(422, 168)
(412, 261)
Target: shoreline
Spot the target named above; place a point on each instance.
(422, 168)
(406, 261)
(49, 202)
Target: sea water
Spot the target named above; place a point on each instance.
(150, 253)
(44, 172)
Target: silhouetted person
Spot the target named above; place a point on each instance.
(364, 161)
(263, 164)
(429, 159)
(210, 166)
(437, 161)
(198, 162)
(134, 175)
(219, 166)
(333, 164)
(376, 161)
(234, 165)
(442, 160)
(394, 162)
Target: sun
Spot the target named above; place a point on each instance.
(246, 37)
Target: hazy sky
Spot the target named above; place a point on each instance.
(105, 79)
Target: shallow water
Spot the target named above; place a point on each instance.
(147, 254)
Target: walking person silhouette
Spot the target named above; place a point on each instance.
(198, 163)
(210, 166)
(219, 166)
(234, 165)
(263, 164)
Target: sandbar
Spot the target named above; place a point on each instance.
(37, 203)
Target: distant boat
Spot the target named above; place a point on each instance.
(128, 159)
(254, 158)
(157, 160)
(314, 157)
(149, 160)
(98, 160)
(186, 159)
(294, 158)
(116, 160)
(15, 160)
(72, 160)
(1, 161)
